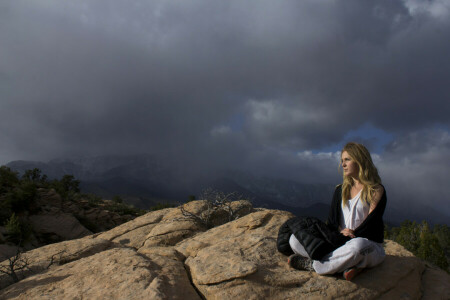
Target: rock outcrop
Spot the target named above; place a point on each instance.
(164, 255)
(53, 219)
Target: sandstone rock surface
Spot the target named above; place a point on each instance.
(163, 255)
(46, 257)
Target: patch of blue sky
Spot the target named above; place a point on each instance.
(236, 121)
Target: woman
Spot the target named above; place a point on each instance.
(356, 212)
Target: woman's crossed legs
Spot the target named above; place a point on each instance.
(356, 253)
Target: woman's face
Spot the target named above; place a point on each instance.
(350, 166)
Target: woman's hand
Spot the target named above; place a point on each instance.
(348, 232)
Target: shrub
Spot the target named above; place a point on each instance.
(218, 204)
(18, 231)
(35, 176)
(8, 179)
(67, 187)
(425, 243)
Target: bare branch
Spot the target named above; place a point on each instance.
(188, 215)
(216, 201)
(58, 261)
(16, 263)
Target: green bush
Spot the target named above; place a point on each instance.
(8, 179)
(17, 230)
(17, 199)
(5, 210)
(428, 244)
(34, 176)
(67, 187)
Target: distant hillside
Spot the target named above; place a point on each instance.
(145, 178)
(144, 181)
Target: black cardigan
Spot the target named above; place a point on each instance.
(371, 228)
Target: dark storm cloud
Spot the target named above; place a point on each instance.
(415, 168)
(172, 77)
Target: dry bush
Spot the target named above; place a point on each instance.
(220, 208)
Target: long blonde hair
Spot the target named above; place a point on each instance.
(368, 173)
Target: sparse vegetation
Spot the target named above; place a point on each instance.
(35, 176)
(430, 244)
(18, 230)
(67, 187)
(15, 195)
(217, 204)
(19, 263)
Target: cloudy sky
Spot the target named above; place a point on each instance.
(272, 87)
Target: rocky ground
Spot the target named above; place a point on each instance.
(164, 255)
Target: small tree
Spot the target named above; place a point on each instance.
(17, 230)
(17, 264)
(67, 186)
(8, 179)
(423, 242)
(34, 175)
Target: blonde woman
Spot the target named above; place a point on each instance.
(354, 229)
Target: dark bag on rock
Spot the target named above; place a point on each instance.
(315, 236)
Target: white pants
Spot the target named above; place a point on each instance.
(357, 252)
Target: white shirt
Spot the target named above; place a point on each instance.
(354, 213)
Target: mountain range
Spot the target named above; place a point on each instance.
(143, 180)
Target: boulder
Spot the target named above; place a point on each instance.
(47, 198)
(164, 255)
(58, 226)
